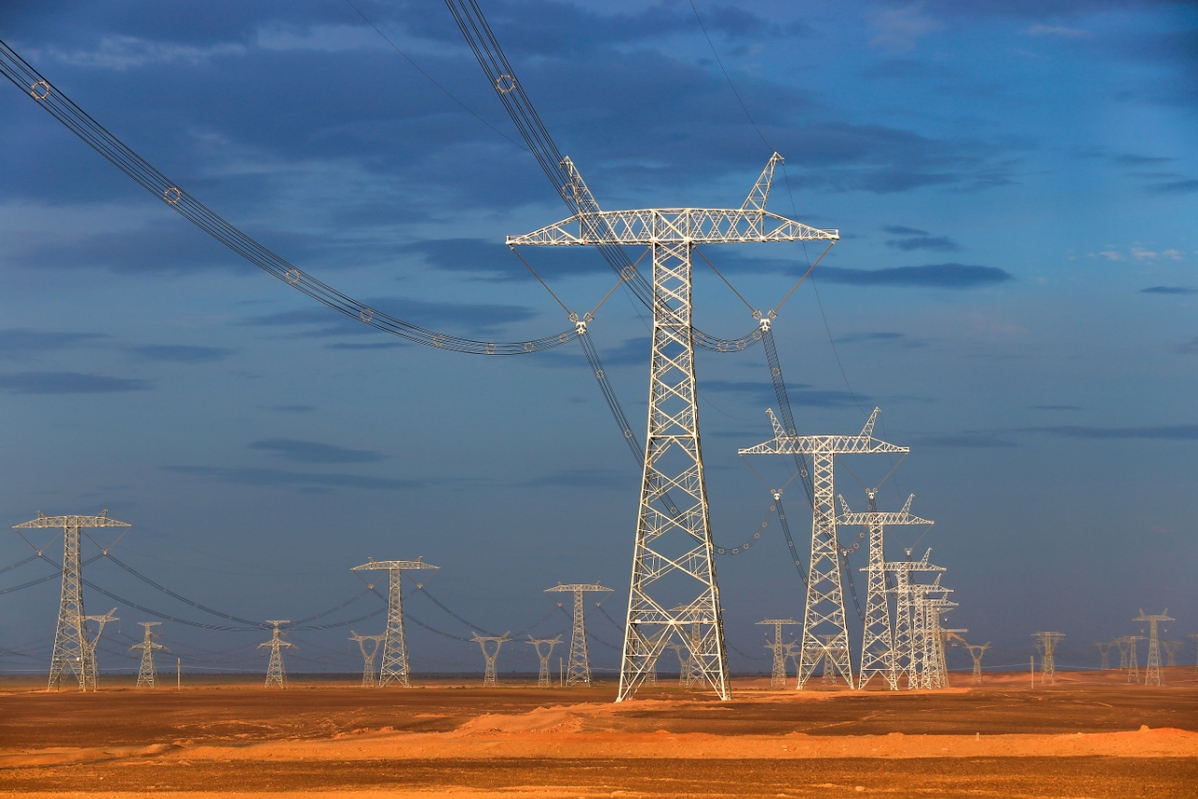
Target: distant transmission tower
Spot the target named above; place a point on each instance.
(1195, 637)
(904, 657)
(1133, 662)
(935, 665)
(778, 676)
(147, 675)
(1046, 644)
(276, 675)
(394, 667)
(369, 644)
(1152, 674)
(1105, 649)
(1122, 643)
(543, 678)
(976, 651)
(674, 557)
(824, 612)
(877, 643)
(71, 650)
(490, 678)
(1171, 648)
(92, 678)
(579, 670)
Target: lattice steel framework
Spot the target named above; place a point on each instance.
(877, 641)
(276, 673)
(1046, 645)
(147, 674)
(976, 651)
(543, 654)
(824, 612)
(579, 670)
(1133, 657)
(673, 556)
(780, 651)
(92, 676)
(929, 637)
(1104, 647)
(904, 632)
(490, 676)
(1152, 672)
(71, 650)
(369, 646)
(1171, 648)
(394, 667)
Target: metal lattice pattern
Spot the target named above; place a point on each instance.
(147, 674)
(579, 670)
(394, 667)
(276, 672)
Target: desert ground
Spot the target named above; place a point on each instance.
(1089, 735)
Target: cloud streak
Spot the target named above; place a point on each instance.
(315, 452)
(945, 276)
(69, 383)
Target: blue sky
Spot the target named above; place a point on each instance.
(1015, 185)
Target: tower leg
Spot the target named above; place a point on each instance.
(824, 613)
(71, 650)
(673, 565)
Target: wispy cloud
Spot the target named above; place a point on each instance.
(69, 383)
(915, 239)
(1188, 347)
(315, 452)
(19, 342)
(1187, 432)
(948, 276)
(1173, 187)
(1059, 31)
(1169, 290)
(1055, 407)
(583, 478)
(180, 353)
(965, 440)
(883, 338)
(293, 408)
(900, 29)
(283, 479)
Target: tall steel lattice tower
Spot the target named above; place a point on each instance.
(276, 674)
(369, 646)
(1122, 643)
(780, 651)
(1133, 657)
(579, 670)
(71, 650)
(147, 674)
(544, 647)
(1152, 672)
(673, 563)
(904, 628)
(1171, 648)
(877, 642)
(1104, 648)
(976, 651)
(1046, 645)
(824, 614)
(92, 677)
(490, 676)
(394, 667)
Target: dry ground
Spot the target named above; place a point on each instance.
(1087, 736)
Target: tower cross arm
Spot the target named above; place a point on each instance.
(647, 226)
(572, 587)
(389, 565)
(43, 520)
(888, 518)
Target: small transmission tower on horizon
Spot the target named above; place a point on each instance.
(543, 678)
(395, 667)
(147, 674)
(1046, 645)
(976, 651)
(93, 672)
(490, 676)
(877, 641)
(905, 644)
(1171, 648)
(673, 557)
(1152, 672)
(579, 670)
(780, 651)
(276, 674)
(1133, 657)
(368, 655)
(1104, 647)
(71, 649)
(824, 610)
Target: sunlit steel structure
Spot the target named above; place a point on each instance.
(394, 667)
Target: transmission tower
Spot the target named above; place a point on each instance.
(1133, 662)
(490, 679)
(369, 645)
(685, 665)
(1123, 645)
(904, 631)
(778, 677)
(276, 675)
(543, 679)
(71, 650)
(394, 667)
(1105, 649)
(1195, 637)
(824, 612)
(976, 651)
(147, 675)
(877, 642)
(673, 557)
(1046, 644)
(935, 665)
(579, 670)
(1171, 648)
(1152, 674)
(92, 676)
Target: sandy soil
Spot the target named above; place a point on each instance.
(1088, 736)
